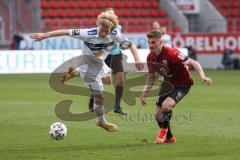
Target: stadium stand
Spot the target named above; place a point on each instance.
(230, 10)
(134, 15)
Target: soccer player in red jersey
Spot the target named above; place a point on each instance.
(172, 65)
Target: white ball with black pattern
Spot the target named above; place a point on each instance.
(58, 131)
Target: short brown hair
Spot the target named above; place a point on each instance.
(154, 34)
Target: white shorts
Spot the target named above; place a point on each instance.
(91, 71)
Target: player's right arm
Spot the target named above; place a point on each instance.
(55, 33)
(147, 87)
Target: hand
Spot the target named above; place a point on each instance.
(206, 80)
(37, 36)
(139, 65)
(143, 99)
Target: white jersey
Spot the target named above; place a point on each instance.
(166, 40)
(95, 45)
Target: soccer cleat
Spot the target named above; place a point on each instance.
(72, 72)
(170, 140)
(161, 137)
(108, 126)
(119, 111)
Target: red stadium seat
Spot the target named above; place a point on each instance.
(154, 4)
(60, 13)
(44, 4)
(80, 13)
(88, 13)
(81, 4)
(118, 4)
(67, 22)
(135, 15)
(73, 4)
(176, 30)
(69, 13)
(153, 13)
(141, 21)
(90, 4)
(146, 4)
(238, 29)
(62, 4)
(161, 13)
(230, 29)
(96, 12)
(101, 4)
(122, 22)
(127, 4)
(51, 13)
(144, 13)
(238, 21)
(131, 21)
(52, 4)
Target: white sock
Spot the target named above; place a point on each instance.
(99, 109)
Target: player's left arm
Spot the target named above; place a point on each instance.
(133, 49)
(126, 44)
(55, 33)
(198, 68)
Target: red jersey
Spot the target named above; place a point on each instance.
(171, 64)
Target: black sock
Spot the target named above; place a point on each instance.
(169, 133)
(91, 103)
(160, 124)
(118, 95)
(166, 117)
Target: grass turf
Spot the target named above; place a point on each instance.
(206, 124)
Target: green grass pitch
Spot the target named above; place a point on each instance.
(206, 124)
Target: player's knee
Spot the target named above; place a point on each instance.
(120, 82)
(107, 80)
(99, 99)
(166, 106)
(120, 78)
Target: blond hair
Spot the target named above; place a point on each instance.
(107, 19)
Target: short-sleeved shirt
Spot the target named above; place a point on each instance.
(95, 45)
(116, 49)
(171, 64)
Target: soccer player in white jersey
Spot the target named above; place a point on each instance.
(97, 44)
(114, 61)
(166, 38)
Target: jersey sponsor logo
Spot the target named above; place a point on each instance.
(164, 62)
(114, 32)
(76, 32)
(163, 70)
(92, 32)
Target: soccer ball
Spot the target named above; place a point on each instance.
(58, 131)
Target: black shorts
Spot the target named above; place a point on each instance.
(114, 62)
(176, 93)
